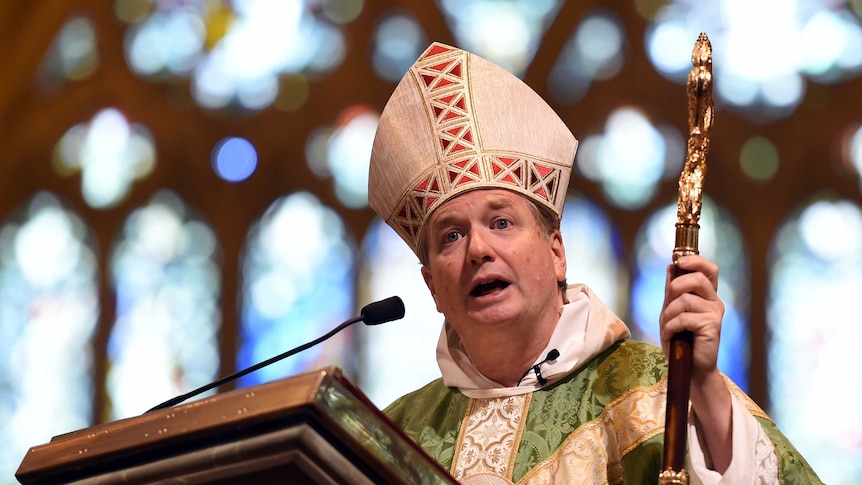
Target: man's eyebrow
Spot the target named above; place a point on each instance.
(494, 204)
(443, 221)
(501, 203)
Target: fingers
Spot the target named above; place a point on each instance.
(692, 312)
(698, 264)
(692, 303)
(700, 278)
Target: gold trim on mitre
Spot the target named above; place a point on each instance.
(457, 122)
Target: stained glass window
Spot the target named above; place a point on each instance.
(299, 277)
(720, 242)
(398, 41)
(165, 274)
(755, 69)
(631, 157)
(594, 52)
(343, 151)
(48, 312)
(504, 32)
(298, 273)
(72, 56)
(814, 364)
(235, 52)
(593, 252)
(397, 357)
(110, 153)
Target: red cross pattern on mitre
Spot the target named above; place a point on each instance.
(462, 163)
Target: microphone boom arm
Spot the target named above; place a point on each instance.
(249, 370)
(375, 313)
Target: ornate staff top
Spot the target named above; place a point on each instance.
(700, 117)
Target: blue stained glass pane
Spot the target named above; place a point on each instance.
(48, 312)
(813, 316)
(653, 249)
(165, 274)
(593, 252)
(298, 277)
(400, 356)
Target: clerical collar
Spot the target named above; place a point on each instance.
(586, 328)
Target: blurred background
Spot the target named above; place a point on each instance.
(183, 193)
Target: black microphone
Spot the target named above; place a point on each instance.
(552, 355)
(375, 313)
(382, 311)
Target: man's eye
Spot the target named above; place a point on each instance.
(452, 236)
(501, 224)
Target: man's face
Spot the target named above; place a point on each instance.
(491, 266)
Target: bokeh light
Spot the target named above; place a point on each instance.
(506, 33)
(595, 52)
(398, 41)
(73, 55)
(760, 67)
(758, 159)
(236, 52)
(234, 159)
(110, 153)
(630, 157)
(343, 151)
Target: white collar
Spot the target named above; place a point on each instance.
(586, 328)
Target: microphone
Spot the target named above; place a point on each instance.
(375, 313)
(552, 355)
(382, 311)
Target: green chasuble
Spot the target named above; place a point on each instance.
(602, 423)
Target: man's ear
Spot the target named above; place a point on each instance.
(559, 254)
(429, 282)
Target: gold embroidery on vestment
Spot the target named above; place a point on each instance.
(593, 452)
(749, 403)
(489, 437)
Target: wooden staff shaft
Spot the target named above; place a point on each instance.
(678, 393)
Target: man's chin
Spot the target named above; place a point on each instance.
(497, 313)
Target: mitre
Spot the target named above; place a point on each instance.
(455, 123)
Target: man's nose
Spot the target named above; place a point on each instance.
(479, 248)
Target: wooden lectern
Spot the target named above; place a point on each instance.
(311, 428)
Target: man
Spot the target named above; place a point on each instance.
(540, 384)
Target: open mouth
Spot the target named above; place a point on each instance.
(483, 289)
